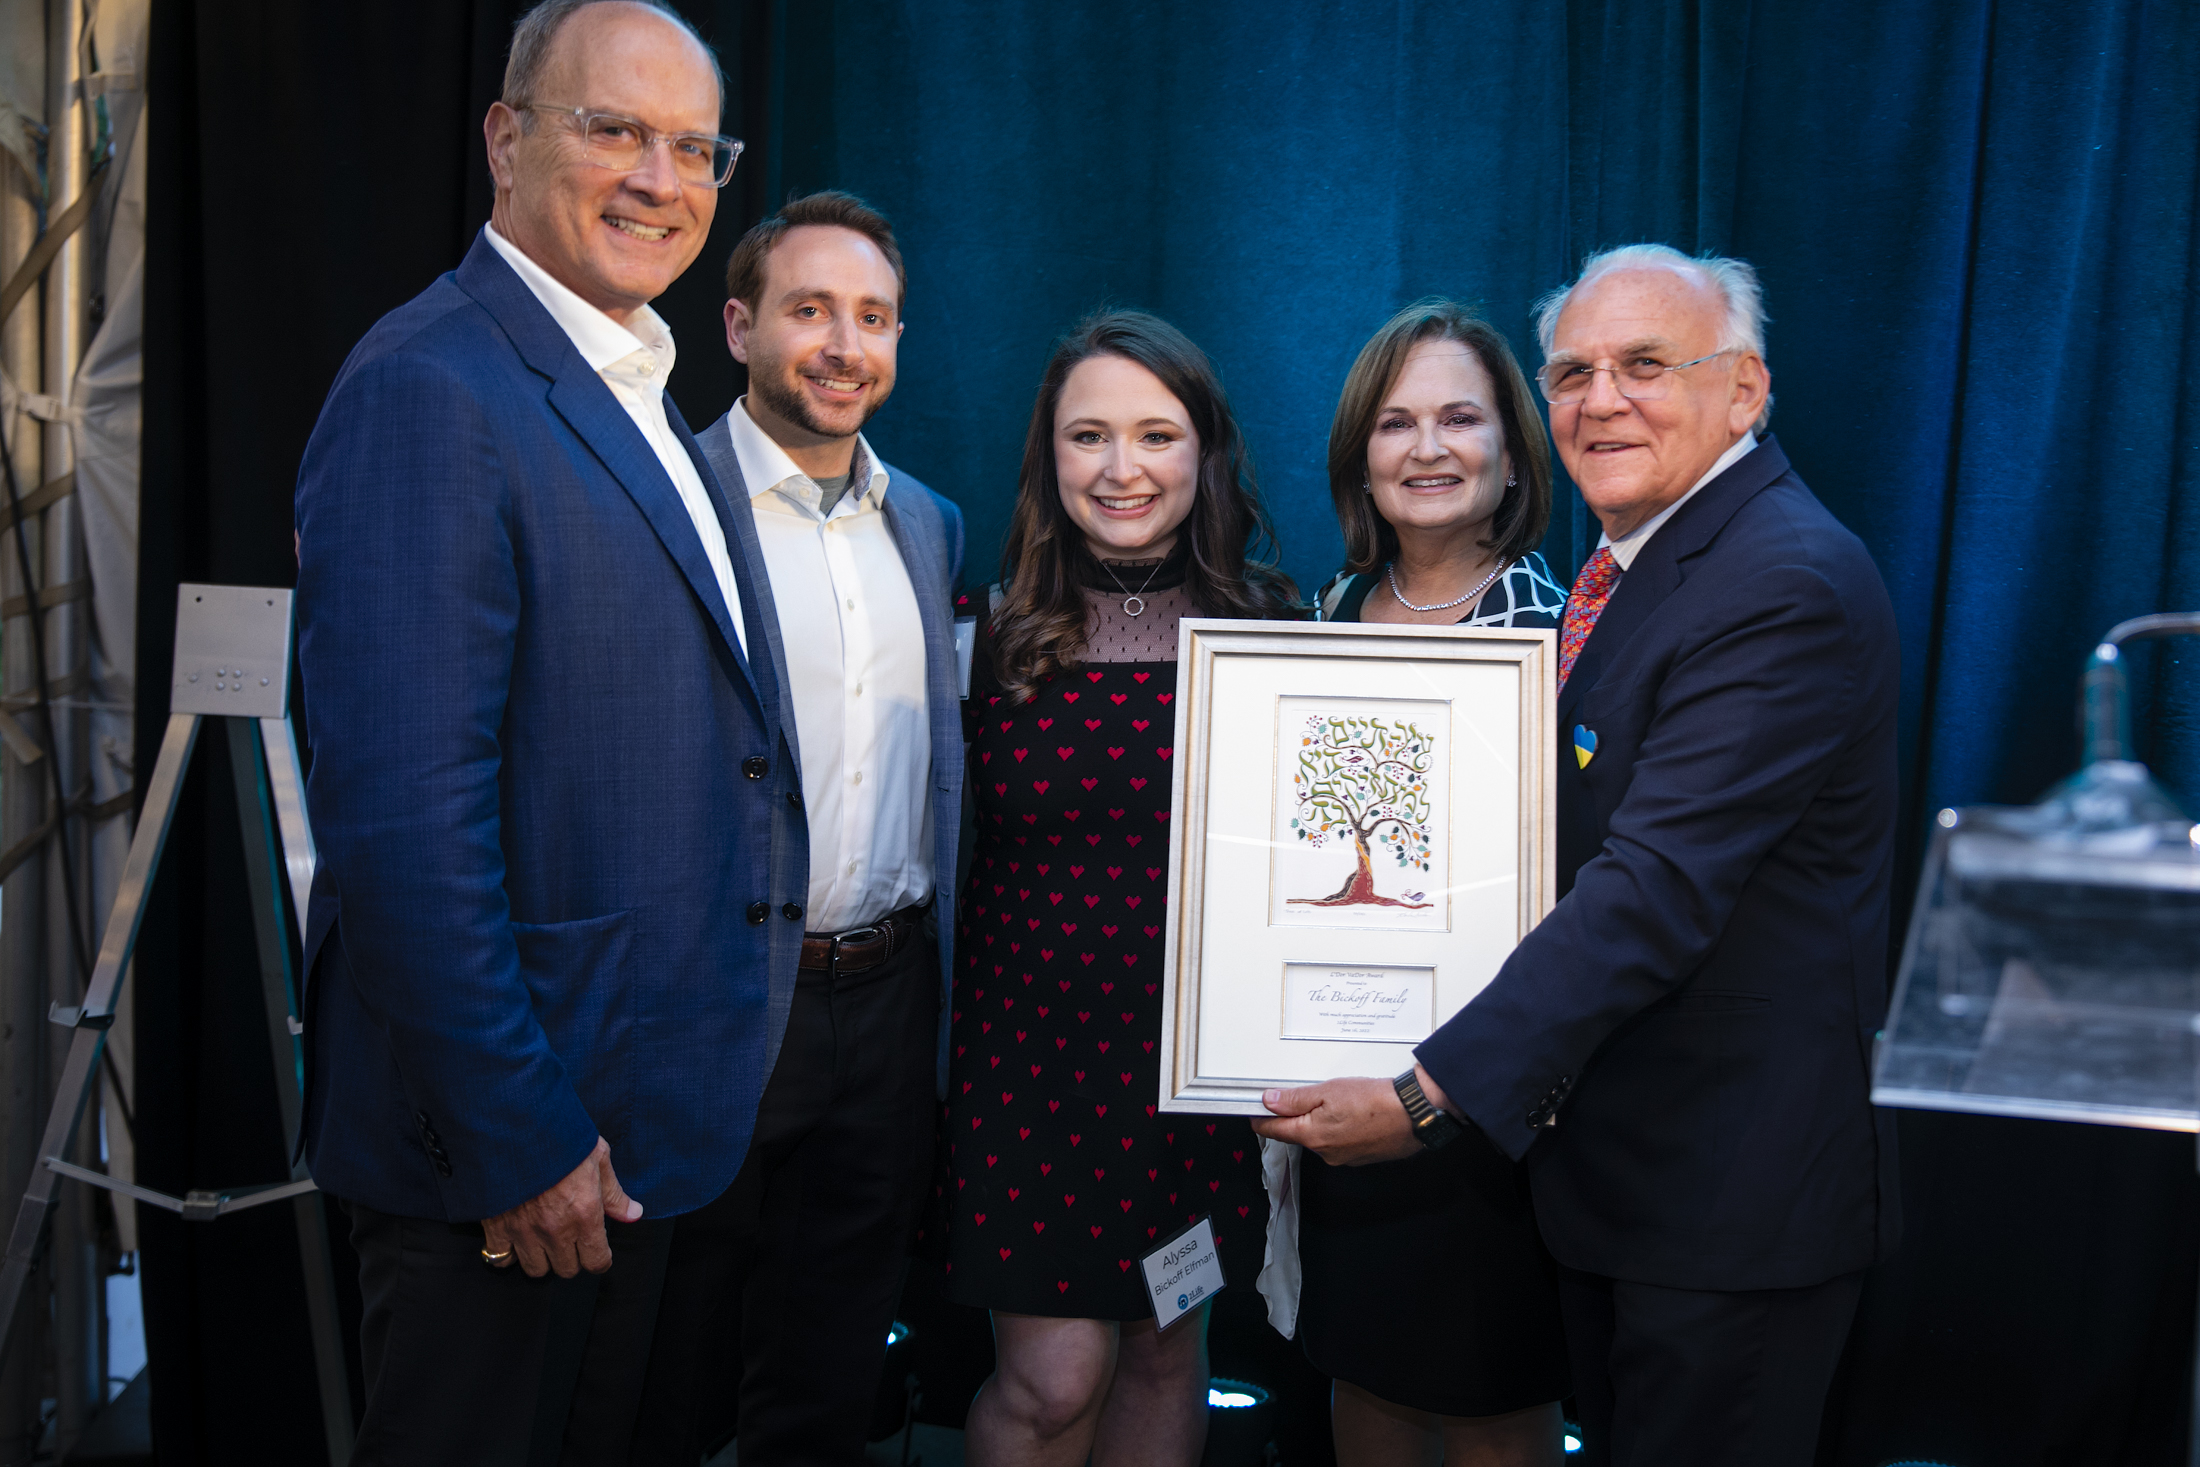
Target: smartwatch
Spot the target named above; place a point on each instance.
(1431, 1127)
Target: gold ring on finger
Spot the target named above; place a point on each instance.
(496, 1260)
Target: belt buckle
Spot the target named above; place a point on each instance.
(861, 934)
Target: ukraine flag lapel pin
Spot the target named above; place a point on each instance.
(1585, 745)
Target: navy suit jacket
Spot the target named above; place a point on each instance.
(928, 530)
(1685, 1041)
(552, 796)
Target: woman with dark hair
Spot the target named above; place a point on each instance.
(1426, 1293)
(1136, 507)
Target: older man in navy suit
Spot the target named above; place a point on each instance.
(801, 1261)
(562, 850)
(1681, 1049)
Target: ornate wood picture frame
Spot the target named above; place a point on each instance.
(1361, 831)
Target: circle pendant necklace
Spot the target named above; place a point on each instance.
(1138, 595)
(1485, 583)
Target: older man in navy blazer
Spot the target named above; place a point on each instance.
(798, 1268)
(1681, 1049)
(561, 848)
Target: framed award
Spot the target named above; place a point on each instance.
(1361, 833)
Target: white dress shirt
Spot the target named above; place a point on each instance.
(635, 363)
(855, 654)
(1628, 546)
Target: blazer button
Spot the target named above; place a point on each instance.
(794, 798)
(444, 1167)
(758, 911)
(755, 766)
(792, 911)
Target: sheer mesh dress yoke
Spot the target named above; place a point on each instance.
(1150, 636)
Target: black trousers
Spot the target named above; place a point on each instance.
(781, 1291)
(1698, 1378)
(473, 1366)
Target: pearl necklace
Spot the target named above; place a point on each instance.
(1392, 574)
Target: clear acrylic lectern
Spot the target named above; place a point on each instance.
(2052, 967)
(2049, 979)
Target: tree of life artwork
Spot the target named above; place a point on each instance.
(1360, 796)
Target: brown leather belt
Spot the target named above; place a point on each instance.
(863, 947)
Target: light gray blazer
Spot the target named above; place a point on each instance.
(928, 530)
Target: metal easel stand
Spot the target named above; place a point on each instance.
(233, 646)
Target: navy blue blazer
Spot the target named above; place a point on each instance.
(1685, 1041)
(928, 530)
(554, 806)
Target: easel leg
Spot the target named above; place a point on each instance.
(333, 1375)
(287, 783)
(261, 860)
(81, 1071)
(259, 799)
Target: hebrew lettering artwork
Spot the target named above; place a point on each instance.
(1359, 813)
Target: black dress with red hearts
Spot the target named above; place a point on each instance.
(1063, 1173)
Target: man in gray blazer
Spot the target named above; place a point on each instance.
(802, 1259)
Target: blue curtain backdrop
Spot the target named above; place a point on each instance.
(1974, 219)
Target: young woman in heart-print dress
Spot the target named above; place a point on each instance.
(1135, 510)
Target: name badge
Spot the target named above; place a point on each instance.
(1183, 1273)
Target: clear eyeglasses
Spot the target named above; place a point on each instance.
(622, 145)
(1641, 379)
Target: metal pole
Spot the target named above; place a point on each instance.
(265, 806)
(25, 1087)
(79, 1275)
(248, 771)
(80, 1075)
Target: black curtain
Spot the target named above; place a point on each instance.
(1974, 219)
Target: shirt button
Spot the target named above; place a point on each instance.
(851, 868)
(755, 766)
(858, 777)
(851, 603)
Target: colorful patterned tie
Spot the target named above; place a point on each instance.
(1584, 604)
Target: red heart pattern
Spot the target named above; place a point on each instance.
(1115, 773)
